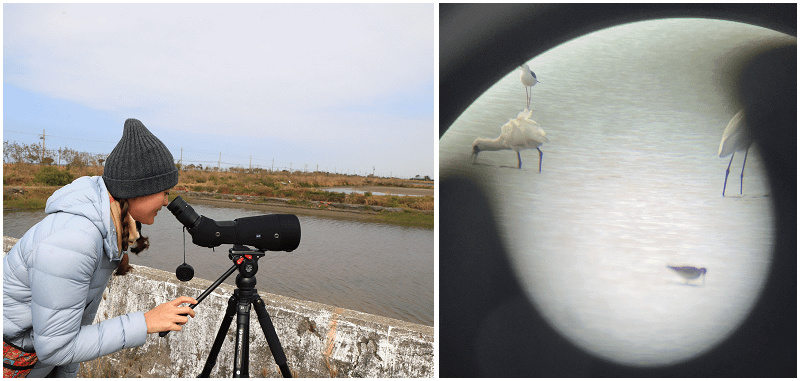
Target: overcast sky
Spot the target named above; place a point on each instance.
(341, 87)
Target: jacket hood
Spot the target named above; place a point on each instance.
(88, 197)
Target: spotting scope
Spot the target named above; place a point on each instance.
(273, 232)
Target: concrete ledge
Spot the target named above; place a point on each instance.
(319, 340)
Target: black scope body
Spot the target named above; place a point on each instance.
(273, 232)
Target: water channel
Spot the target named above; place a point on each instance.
(375, 268)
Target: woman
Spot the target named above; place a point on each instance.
(54, 277)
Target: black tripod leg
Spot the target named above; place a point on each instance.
(241, 354)
(223, 331)
(272, 337)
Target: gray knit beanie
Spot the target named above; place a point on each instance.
(139, 165)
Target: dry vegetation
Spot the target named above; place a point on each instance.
(303, 186)
(297, 185)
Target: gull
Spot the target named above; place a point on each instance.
(518, 134)
(689, 272)
(735, 138)
(528, 79)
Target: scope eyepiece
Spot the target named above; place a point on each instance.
(183, 212)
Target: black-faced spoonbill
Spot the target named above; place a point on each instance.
(735, 138)
(689, 272)
(528, 79)
(518, 134)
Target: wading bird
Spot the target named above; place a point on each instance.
(518, 134)
(689, 272)
(735, 138)
(528, 79)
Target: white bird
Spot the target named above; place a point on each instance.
(528, 79)
(735, 138)
(518, 134)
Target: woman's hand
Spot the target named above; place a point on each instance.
(167, 316)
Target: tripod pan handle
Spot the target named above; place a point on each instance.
(165, 333)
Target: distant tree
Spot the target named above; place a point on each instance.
(75, 159)
(20, 153)
(96, 160)
(31, 153)
(8, 152)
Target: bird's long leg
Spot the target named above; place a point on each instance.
(540, 159)
(528, 97)
(741, 177)
(519, 161)
(726, 174)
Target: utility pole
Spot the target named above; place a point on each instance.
(181, 162)
(219, 163)
(373, 171)
(41, 158)
(251, 162)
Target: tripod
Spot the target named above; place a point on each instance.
(246, 261)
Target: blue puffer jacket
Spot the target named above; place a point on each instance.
(53, 282)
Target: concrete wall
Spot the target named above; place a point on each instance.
(319, 340)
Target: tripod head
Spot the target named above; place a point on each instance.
(247, 262)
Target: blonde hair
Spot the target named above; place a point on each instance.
(141, 243)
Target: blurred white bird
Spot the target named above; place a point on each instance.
(735, 138)
(518, 134)
(528, 79)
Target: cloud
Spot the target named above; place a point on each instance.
(253, 69)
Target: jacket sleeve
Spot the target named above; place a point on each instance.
(68, 371)
(60, 277)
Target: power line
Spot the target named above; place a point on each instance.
(62, 137)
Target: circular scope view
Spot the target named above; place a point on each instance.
(624, 240)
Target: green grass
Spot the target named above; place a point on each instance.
(32, 198)
(408, 217)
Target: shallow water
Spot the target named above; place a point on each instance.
(630, 183)
(375, 268)
(351, 190)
